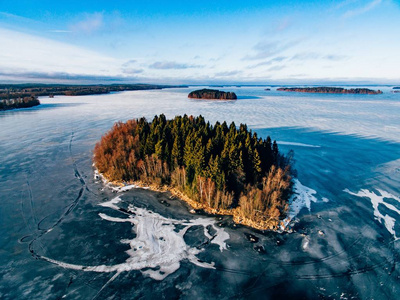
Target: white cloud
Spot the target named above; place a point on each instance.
(167, 65)
(228, 73)
(267, 49)
(269, 62)
(314, 56)
(276, 68)
(284, 24)
(17, 18)
(22, 53)
(132, 71)
(129, 63)
(91, 23)
(345, 3)
(362, 10)
(60, 31)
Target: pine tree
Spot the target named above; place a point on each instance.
(177, 150)
(257, 165)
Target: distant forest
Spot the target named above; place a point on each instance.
(12, 91)
(331, 90)
(220, 166)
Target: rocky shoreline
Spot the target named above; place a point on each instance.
(272, 225)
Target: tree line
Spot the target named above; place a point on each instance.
(221, 166)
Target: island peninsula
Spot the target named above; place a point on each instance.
(218, 168)
(19, 102)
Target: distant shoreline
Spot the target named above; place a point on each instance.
(10, 91)
(13, 96)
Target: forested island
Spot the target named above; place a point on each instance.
(212, 94)
(219, 168)
(396, 88)
(20, 102)
(331, 90)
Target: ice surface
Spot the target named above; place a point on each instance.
(351, 131)
(157, 245)
(297, 144)
(376, 200)
(364, 115)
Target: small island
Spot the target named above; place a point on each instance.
(212, 94)
(331, 90)
(19, 102)
(396, 88)
(218, 168)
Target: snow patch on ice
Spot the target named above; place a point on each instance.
(118, 189)
(157, 247)
(112, 203)
(113, 219)
(376, 200)
(301, 198)
(125, 188)
(305, 242)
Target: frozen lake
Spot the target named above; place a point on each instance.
(64, 235)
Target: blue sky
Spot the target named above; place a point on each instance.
(184, 42)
